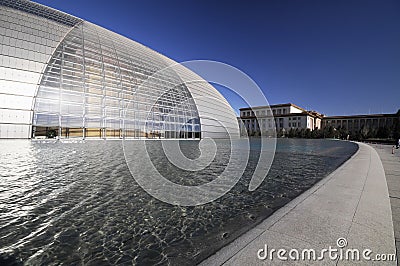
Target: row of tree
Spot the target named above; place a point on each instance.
(339, 133)
(343, 133)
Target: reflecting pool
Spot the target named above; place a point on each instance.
(77, 203)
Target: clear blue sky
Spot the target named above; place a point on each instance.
(338, 57)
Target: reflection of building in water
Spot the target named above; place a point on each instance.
(61, 76)
(282, 116)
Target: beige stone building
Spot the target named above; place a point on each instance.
(354, 123)
(288, 116)
(279, 116)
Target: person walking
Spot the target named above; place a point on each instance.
(398, 144)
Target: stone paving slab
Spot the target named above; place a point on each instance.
(391, 165)
(351, 203)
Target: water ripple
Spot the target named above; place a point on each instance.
(74, 203)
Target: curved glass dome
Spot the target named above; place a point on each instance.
(93, 86)
(86, 81)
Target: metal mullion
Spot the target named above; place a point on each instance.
(59, 91)
(82, 39)
(103, 106)
(120, 101)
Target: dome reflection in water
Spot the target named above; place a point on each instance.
(78, 203)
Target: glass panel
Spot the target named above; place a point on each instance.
(123, 101)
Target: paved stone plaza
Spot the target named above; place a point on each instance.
(391, 164)
(352, 203)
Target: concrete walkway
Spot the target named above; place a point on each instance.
(351, 203)
(391, 164)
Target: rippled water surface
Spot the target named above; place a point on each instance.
(77, 203)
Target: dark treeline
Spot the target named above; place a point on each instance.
(342, 133)
(365, 133)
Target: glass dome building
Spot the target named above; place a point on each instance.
(61, 76)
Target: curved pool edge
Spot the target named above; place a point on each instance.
(352, 203)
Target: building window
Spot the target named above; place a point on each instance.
(299, 124)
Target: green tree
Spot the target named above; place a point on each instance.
(364, 131)
(308, 133)
(342, 132)
(316, 134)
(291, 133)
(328, 132)
(395, 132)
(383, 132)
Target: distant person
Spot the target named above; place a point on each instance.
(398, 144)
